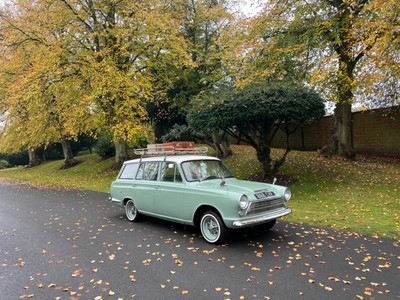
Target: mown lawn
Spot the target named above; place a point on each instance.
(93, 173)
(360, 196)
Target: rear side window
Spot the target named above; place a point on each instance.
(147, 171)
(129, 171)
(170, 172)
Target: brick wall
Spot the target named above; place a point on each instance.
(374, 132)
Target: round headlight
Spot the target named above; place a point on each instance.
(287, 195)
(243, 202)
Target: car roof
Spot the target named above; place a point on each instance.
(172, 158)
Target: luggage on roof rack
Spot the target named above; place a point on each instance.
(171, 148)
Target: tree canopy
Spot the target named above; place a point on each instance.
(346, 50)
(77, 66)
(73, 67)
(256, 112)
(204, 23)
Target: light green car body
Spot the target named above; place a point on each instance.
(186, 201)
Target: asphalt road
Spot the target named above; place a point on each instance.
(68, 244)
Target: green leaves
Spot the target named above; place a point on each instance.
(255, 106)
(255, 113)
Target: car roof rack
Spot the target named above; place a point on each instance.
(171, 148)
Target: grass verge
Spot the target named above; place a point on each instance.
(359, 196)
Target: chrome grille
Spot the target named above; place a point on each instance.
(265, 205)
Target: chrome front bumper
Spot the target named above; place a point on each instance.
(262, 219)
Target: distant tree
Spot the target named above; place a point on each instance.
(203, 23)
(256, 112)
(344, 49)
(43, 89)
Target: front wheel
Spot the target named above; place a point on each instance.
(131, 211)
(213, 228)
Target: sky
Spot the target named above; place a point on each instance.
(250, 7)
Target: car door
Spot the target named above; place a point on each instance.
(144, 186)
(169, 194)
(121, 188)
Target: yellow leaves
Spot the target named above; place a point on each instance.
(90, 85)
(76, 273)
(386, 265)
(334, 279)
(146, 262)
(128, 131)
(178, 262)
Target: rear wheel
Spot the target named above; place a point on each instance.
(131, 211)
(213, 228)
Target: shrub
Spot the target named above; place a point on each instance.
(20, 158)
(105, 146)
(4, 164)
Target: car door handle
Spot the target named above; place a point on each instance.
(158, 187)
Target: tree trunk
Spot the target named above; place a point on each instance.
(121, 153)
(264, 157)
(347, 61)
(69, 160)
(67, 150)
(221, 145)
(342, 137)
(34, 158)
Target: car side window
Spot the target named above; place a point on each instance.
(129, 171)
(170, 172)
(147, 171)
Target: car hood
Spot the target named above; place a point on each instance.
(241, 186)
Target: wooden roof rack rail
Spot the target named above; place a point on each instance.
(171, 148)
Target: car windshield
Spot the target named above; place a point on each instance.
(199, 170)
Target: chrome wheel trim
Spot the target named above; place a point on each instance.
(131, 210)
(210, 228)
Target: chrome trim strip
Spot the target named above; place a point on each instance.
(263, 218)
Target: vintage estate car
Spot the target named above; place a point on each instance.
(195, 189)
